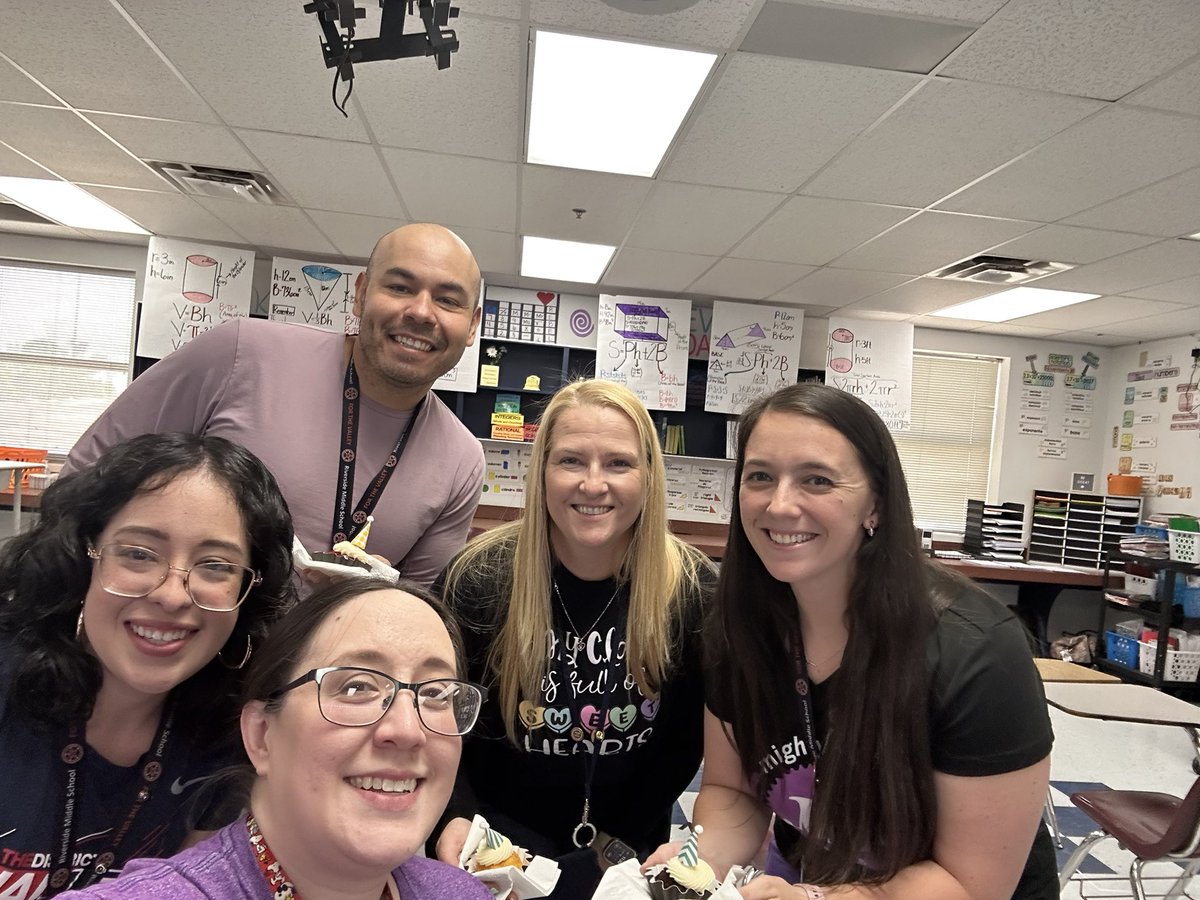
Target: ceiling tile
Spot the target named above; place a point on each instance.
(709, 24)
(747, 278)
(353, 235)
(455, 190)
(923, 295)
(930, 241)
(16, 86)
(1009, 329)
(168, 214)
(14, 164)
(189, 142)
(611, 203)
(284, 227)
(324, 174)
(814, 230)
(62, 142)
(495, 251)
(771, 123)
(87, 43)
(1096, 313)
(838, 287)
(406, 101)
(1179, 91)
(1062, 243)
(960, 10)
(1165, 325)
(258, 67)
(655, 270)
(945, 135)
(1184, 290)
(1126, 273)
(1170, 208)
(1051, 45)
(1102, 339)
(36, 229)
(1113, 152)
(705, 220)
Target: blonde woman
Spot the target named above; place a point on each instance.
(583, 620)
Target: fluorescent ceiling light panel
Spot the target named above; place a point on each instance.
(1014, 304)
(609, 106)
(62, 202)
(564, 260)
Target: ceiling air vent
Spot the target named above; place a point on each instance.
(223, 184)
(999, 270)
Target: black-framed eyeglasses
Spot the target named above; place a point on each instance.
(356, 697)
(131, 571)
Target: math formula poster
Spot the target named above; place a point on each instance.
(752, 351)
(642, 343)
(320, 295)
(873, 361)
(190, 288)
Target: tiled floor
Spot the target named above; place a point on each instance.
(1089, 753)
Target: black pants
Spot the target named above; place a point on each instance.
(1039, 881)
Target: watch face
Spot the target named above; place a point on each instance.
(618, 851)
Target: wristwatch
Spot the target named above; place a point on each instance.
(615, 851)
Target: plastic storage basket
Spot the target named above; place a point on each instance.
(1184, 546)
(1122, 649)
(1181, 665)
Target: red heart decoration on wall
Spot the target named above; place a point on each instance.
(546, 296)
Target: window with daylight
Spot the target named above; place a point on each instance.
(66, 350)
(947, 454)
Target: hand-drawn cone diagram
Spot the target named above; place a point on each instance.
(200, 274)
(639, 322)
(841, 350)
(747, 338)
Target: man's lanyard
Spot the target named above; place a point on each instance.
(72, 756)
(345, 523)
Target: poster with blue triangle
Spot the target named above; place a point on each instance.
(752, 351)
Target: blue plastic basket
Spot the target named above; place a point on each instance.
(1122, 649)
(1151, 530)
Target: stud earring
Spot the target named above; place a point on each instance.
(870, 531)
(245, 657)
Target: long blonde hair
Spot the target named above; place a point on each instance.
(662, 572)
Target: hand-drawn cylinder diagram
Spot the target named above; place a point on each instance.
(841, 350)
(200, 275)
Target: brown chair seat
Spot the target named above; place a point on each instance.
(1144, 822)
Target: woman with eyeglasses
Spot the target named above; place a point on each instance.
(127, 614)
(354, 721)
(583, 618)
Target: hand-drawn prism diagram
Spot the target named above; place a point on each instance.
(841, 350)
(201, 278)
(638, 322)
(746, 339)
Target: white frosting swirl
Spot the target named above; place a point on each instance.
(493, 856)
(699, 877)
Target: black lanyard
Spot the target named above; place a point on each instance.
(345, 523)
(804, 689)
(584, 834)
(72, 756)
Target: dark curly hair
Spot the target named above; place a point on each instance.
(45, 574)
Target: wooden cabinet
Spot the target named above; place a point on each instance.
(1078, 529)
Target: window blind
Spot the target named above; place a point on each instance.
(66, 340)
(947, 454)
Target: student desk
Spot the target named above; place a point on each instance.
(1037, 585)
(1059, 670)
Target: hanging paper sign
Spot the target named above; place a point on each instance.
(754, 350)
(643, 344)
(873, 361)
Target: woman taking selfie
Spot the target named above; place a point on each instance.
(128, 613)
(887, 712)
(354, 729)
(583, 620)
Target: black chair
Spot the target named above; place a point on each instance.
(1152, 826)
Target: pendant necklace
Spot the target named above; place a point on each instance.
(820, 663)
(579, 634)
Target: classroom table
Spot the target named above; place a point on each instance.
(1059, 670)
(1038, 584)
(17, 468)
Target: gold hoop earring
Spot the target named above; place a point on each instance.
(245, 657)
